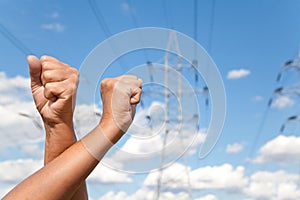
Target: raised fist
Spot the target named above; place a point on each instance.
(54, 86)
(119, 97)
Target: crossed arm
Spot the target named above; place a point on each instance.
(67, 162)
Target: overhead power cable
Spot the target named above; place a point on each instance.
(136, 25)
(166, 14)
(212, 23)
(101, 21)
(14, 40)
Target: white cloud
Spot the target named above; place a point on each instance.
(100, 175)
(57, 27)
(55, 15)
(114, 196)
(16, 100)
(175, 183)
(135, 151)
(13, 171)
(85, 119)
(278, 185)
(234, 148)
(283, 102)
(263, 185)
(14, 89)
(145, 194)
(149, 194)
(210, 177)
(219, 177)
(174, 176)
(282, 149)
(144, 143)
(238, 73)
(257, 98)
(32, 150)
(208, 197)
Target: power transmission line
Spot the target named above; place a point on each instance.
(14, 40)
(101, 21)
(212, 23)
(168, 20)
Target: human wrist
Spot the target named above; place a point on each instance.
(58, 123)
(60, 129)
(111, 129)
(97, 143)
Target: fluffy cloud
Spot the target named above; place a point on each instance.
(238, 73)
(57, 27)
(129, 156)
(32, 150)
(208, 197)
(219, 177)
(13, 171)
(234, 148)
(210, 177)
(86, 117)
(14, 89)
(281, 149)
(144, 142)
(282, 102)
(278, 185)
(177, 180)
(169, 179)
(54, 15)
(145, 194)
(100, 175)
(21, 122)
(257, 98)
(263, 185)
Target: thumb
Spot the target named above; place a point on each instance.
(35, 70)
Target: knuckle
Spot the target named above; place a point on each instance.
(67, 66)
(75, 73)
(44, 58)
(74, 79)
(47, 75)
(73, 88)
(105, 82)
(46, 65)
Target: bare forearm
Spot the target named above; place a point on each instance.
(58, 139)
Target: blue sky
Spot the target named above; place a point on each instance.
(248, 40)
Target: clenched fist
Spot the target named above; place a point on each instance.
(119, 97)
(53, 85)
